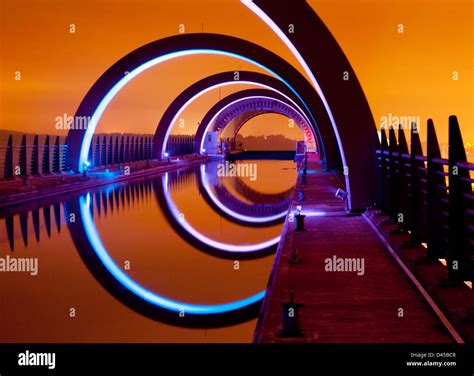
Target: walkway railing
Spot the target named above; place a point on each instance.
(112, 150)
(180, 144)
(33, 159)
(430, 197)
(41, 157)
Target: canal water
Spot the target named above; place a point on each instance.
(183, 256)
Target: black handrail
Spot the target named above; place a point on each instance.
(429, 196)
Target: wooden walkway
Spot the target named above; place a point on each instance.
(381, 305)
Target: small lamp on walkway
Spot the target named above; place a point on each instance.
(85, 167)
(299, 219)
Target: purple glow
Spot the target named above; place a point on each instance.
(201, 147)
(225, 247)
(168, 131)
(232, 213)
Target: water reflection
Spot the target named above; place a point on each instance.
(147, 222)
(23, 217)
(178, 221)
(261, 208)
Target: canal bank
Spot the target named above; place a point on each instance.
(20, 191)
(134, 227)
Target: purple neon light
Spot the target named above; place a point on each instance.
(188, 102)
(240, 100)
(225, 247)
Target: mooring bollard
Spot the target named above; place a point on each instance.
(290, 318)
(299, 219)
(294, 256)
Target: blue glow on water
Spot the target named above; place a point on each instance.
(140, 291)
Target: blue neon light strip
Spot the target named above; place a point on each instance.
(135, 72)
(142, 292)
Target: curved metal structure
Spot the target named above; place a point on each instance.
(241, 106)
(345, 122)
(333, 77)
(193, 92)
(123, 71)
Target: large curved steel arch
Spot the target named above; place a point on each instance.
(266, 107)
(252, 103)
(225, 78)
(332, 76)
(345, 121)
(251, 100)
(123, 71)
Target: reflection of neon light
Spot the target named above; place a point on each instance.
(86, 141)
(232, 213)
(201, 147)
(314, 213)
(139, 290)
(265, 18)
(225, 247)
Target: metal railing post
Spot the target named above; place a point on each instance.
(458, 253)
(416, 195)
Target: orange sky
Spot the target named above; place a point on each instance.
(403, 74)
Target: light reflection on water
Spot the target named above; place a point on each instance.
(138, 236)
